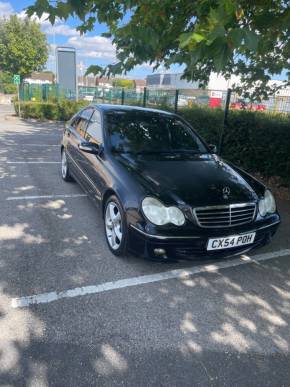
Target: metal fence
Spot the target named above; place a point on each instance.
(44, 93)
(172, 99)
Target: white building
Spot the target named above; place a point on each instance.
(216, 82)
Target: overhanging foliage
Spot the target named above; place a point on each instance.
(241, 37)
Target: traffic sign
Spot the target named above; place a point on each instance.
(16, 79)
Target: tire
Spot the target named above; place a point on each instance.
(115, 226)
(65, 173)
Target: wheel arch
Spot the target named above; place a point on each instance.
(109, 192)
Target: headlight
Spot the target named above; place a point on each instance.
(159, 214)
(267, 205)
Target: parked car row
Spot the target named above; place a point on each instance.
(243, 105)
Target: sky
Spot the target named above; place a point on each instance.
(91, 48)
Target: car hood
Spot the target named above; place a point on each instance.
(197, 180)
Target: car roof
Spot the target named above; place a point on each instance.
(111, 107)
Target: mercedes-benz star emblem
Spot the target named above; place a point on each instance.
(226, 192)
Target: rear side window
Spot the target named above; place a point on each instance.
(94, 129)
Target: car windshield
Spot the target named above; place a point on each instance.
(150, 132)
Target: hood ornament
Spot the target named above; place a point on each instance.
(226, 192)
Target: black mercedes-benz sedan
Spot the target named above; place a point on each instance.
(162, 191)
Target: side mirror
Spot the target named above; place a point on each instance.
(89, 147)
(212, 148)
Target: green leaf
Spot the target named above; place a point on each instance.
(190, 37)
(217, 32)
(213, 17)
(185, 39)
(236, 36)
(251, 39)
(229, 7)
(220, 59)
(195, 55)
(218, 50)
(63, 9)
(52, 18)
(106, 34)
(198, 37)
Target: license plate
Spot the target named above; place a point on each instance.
(230, 241)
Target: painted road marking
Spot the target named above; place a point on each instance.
(33, 162)
(45, 298)
(39, 145)
(45, 197)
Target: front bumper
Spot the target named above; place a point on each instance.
(194, 246)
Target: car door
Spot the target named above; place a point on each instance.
(77, 135)
(91, 163)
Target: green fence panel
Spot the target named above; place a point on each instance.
(154, 98)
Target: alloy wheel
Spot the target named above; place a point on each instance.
(113, 223)
(63, 165)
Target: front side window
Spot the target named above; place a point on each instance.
(87, 113)
(150, 132)
(79, 123)
(73, 123)
(81, 126)
(94, 129)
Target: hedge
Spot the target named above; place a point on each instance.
(61, 111)
(257, 141)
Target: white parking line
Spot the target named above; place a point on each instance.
(45, 197)
(45, 298)
(33, 162)
(37, 145)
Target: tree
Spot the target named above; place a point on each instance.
(95, 70)
(6, 83)
(241, 37)
(23, 47)
(5, 78)
(126, 83)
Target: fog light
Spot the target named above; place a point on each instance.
(159, 252)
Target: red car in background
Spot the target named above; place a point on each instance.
(243, 105)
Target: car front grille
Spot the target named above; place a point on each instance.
(225, 215)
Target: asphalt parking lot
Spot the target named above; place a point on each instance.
(72, 314)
